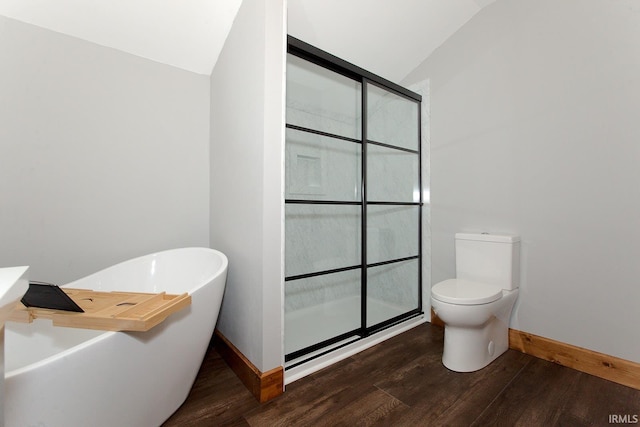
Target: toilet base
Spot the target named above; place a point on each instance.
(470, 349)
(475, 335)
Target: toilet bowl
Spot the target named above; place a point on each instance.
(475, 333)
(476, 306)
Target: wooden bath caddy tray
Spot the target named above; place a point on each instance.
(108, 311)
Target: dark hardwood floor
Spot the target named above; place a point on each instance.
(402, 382)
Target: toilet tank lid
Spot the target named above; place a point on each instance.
(487, 237)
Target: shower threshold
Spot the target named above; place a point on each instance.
(310, 363)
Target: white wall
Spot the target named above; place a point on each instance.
(185, 34)
(535, 130)
(104, 155)
(247, 140)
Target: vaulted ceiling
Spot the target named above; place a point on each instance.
(387, 37)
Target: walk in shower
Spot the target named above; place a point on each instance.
(353, 204)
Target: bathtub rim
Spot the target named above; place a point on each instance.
(107, 334)
(223, 266)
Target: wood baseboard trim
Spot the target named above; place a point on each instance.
(601, 365)
(263, 385)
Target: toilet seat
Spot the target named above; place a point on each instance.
(465, 292)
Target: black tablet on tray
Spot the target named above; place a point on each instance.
(46, 295)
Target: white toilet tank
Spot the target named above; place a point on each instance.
(489, 258)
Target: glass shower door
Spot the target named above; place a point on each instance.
(352, 204)
(393, 203)
(323, 207)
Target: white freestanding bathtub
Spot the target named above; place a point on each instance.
(68, 377)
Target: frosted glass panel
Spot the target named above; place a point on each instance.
(320, 99)
(321, 237)
(391, 119)
(392, 290)
(392, 175)
(322, 168)
(320, 308)
(392, 232)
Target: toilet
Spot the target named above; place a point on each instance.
(476, 306)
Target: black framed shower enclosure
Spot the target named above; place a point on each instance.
(353, 203)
